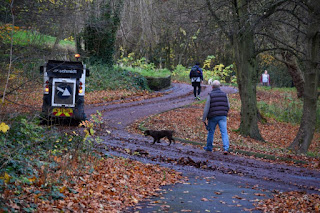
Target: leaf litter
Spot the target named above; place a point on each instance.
(114, 185)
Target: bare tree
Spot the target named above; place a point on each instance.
(240, 20)
(293, 35)
(170, 32)
(311, 69)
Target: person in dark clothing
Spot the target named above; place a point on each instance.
(216, 111)
(196, 77)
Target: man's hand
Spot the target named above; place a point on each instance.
(207, 127)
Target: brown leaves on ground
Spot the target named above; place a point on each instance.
(291, 202)
(28, 98)
(278, 135)
(187, 124)
(115, 183)
(122, 96)
(110, 186)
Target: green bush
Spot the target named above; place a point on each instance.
(104, 77)
(141, 66)
(225, 74)
(148, 72)
(29, 152)
(219, 72)
(26, 145)
(181, 73)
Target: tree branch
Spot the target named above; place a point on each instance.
(221, 23)
(270, 11)
(16, 88)
(294, 71)
(290, 13)
(277, 49)
(292, 26)
(288, 48)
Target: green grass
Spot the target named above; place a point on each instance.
(288, 110)
(146, 72)
(24, 38)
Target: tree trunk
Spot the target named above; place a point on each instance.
(294, 71)
(60, 35)
(11, 52)
(244, 52)
(308, 122)
(245, 59)
(311, 69)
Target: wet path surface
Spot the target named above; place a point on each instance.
(202, 194)
(217, 183)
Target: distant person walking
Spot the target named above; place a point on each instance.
(216, 111)
(196, 77)
(265, 78)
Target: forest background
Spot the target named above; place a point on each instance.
(235, 41)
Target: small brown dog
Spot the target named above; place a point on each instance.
(157, 135)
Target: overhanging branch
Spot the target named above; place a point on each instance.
(270, 11)
(286, 47)
(220, 23)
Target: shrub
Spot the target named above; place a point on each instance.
(181, 73)
(104, 77)
(32, 155)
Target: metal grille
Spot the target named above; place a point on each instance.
(63, 92)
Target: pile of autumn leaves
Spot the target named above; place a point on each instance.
(112, 185)
(291, 202)
(103, 185)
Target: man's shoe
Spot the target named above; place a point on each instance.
(206, 149)
(198, 98)
(225, 152)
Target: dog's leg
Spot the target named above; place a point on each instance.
(170, 139)
(154, 140)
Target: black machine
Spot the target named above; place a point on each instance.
(64, 90)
